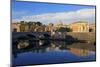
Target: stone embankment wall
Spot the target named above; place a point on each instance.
(88, 36)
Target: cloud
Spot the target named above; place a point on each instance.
(66, 17)
(18, 14)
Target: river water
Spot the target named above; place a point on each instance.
(45, 52)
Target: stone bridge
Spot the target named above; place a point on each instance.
(35, 34)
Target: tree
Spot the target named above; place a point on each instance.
(22, 22)
(62, 29)
(39, 23)
(30, 24)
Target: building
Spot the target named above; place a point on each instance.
(23, 26)
(60, 25)
(92, 27)
(79, 26)
(15, 27)
(39, 29)
(49, 27)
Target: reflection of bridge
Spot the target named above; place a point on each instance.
(76, 48)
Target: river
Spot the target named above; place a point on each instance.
(52, 52)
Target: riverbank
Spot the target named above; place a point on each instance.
(89, 37)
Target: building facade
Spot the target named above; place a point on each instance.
(15, 27)
(92, 27)
(79, 26)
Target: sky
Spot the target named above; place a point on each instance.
(51, 12)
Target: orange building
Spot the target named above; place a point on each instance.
(79, 26)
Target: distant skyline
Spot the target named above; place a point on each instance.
(52, 13)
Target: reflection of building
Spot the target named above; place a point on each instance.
(79, 52)
(92, 28)
(79, 27)
(53, 47)
(15, 27)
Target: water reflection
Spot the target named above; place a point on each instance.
(75, 50)
(46, 46)
(79, 52)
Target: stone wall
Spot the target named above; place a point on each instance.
(89, 36)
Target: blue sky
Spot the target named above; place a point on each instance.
(32, 9)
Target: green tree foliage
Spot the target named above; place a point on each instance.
(39, 23)
(62, 29)
(30, 26)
